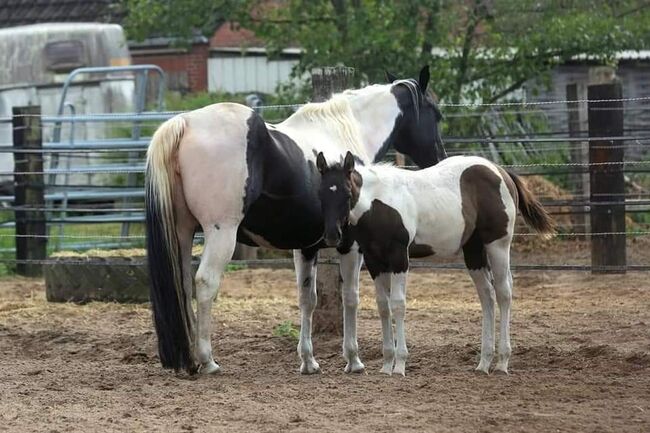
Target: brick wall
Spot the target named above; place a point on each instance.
(186, 70)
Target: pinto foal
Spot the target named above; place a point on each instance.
(463, 202)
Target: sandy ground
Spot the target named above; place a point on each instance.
(581, 362)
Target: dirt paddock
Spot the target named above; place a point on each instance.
(581, 362)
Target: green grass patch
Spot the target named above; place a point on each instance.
(286, 329)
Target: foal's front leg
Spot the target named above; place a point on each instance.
(382, 293)
(398, 309)
(305, 264)
(350, 268)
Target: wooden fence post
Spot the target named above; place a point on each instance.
(328, 316)
(29, 190)
(579, 152)
(607, 181)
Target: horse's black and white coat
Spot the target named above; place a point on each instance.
(224, 169)
(463, 203)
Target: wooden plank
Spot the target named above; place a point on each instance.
(608, 253)
(29, 190)
(328, 316)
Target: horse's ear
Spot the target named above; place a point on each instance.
(321, 163)
(390, 78)
(423, 81)
(348, 163)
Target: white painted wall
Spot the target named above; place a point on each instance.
(247, 73)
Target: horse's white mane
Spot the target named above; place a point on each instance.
(336, 115)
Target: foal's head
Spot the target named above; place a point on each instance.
(339, 192)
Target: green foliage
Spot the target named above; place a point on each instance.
(232, 267)
(181, 19)
(288, 330)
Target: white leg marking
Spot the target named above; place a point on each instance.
(350, 268)
(306, 279)
(398, 310)
(382, 294)
(219, 246)
(499, 256)
(481, 278)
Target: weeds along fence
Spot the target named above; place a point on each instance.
(76, 194)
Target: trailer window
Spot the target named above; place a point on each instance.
(64, 56)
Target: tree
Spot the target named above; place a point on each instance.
(479, 50)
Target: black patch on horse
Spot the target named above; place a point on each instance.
(281, 203)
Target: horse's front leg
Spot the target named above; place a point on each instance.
(350, 268)
(305, 264)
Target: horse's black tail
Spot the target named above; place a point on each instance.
(168, 301)
(532, 210)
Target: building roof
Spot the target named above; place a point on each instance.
(21, 12)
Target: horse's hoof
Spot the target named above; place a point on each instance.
(209, 368)
(501, 369)
(355, 367)
(387, 369)
(310, 368)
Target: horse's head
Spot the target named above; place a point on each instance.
(339, 192)
(416, 131)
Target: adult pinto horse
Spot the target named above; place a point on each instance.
(224, 169)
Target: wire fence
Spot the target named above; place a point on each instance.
(94, 174)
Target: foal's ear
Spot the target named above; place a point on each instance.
(348, 163)
(321, 163)
(423, 81)
(390, 78)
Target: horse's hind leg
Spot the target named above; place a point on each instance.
(219, 245)
(350, 268)
(477, 266)
(499, 257)
(305, 263)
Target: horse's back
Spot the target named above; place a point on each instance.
(212, 159)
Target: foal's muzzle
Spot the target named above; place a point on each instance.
(332, 237)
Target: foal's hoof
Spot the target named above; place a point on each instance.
(501, 369)
(311, 367)
(209, 368)
(387, 369)
(400, 369)
(482, 368)
(355, 367)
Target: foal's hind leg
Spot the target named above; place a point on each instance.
(499, 257)
(219, 246)
(305, 263)
(350, 268)
(477, 266)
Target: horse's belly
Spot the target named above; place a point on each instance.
(282, 223)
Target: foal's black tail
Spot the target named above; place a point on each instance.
(532, 210)
(168, 301)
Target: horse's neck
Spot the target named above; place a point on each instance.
(376, 114)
